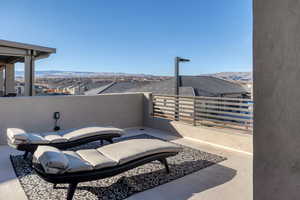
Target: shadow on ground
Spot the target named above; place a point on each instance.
(182, 188)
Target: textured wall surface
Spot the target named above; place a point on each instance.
(277, 99)
(36, 113)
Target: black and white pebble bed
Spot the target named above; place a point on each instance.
(117, 187)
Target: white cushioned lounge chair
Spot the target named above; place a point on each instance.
(73, 167)
(28, 142)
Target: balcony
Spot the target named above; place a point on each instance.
(138, 113)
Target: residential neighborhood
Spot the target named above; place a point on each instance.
(92, 84)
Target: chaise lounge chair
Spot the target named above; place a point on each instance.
(28, 142)
(70, 167)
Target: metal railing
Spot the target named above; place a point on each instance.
(210, 111)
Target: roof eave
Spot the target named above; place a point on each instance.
(27, 46)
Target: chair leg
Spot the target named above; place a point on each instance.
(71, 190)
(165, 163)
(25, 155)
(110, 140)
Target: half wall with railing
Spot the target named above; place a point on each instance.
(209, 111)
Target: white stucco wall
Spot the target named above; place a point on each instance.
(36, 113)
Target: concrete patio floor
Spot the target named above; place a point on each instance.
(228, 180)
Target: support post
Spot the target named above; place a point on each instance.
(29, 74)
(1, 81)
(10, 78)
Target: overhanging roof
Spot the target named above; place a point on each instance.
(12, 52)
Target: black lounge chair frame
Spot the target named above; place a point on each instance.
(31, 148)
(74, 178)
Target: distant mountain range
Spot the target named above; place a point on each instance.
(68, 74)
(236, 76)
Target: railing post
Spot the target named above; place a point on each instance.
(176, 112)
(247, 127)
(194, 111)
(151, 105)
(165, 102)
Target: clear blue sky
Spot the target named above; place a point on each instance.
(134, 36)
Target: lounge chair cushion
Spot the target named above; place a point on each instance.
(18, 136)
(55, 161)
(53, 137)
(76, 163)
(52, 159)
(75, 134)
(128, 150)
(34, 138)
(96, 159)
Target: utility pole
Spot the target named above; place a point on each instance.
(177, 61)
(177, 84)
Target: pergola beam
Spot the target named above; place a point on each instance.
(19, 45)
(15, 60)
(10, 51)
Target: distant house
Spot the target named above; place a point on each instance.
(98, 90)
(189, 86)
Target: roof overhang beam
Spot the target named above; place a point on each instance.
(9, 51)
(16, 52)
(19, 45)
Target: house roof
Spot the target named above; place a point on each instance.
(190, 86)
(98, 90)
(211, 86)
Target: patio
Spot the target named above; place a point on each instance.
(276, 125)
(230, 179)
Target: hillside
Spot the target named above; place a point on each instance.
(71, 74)
(236, 76)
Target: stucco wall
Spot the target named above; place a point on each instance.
(36, 113)
(277, 99)
(229, 138)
